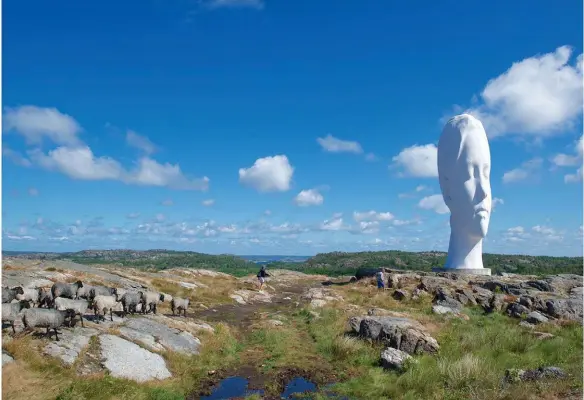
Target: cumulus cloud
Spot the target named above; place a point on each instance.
(418, 161)
(523, 172)
(540, 96)
(34, 123)
(496, 201)
(309, 197)
(434, 202)
(332, 144)
(372, 216)
(334, 224)
(268, 174)
(81, 163)
(566, 160)
(140, 142)
(208, 202)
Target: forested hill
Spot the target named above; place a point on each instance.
(335, 263)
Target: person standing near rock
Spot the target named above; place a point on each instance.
(262, 276)
(380, 279)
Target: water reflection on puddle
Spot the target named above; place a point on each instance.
(236, 387)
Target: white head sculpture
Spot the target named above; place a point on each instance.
(464, 167)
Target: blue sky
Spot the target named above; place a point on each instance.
(278, 127)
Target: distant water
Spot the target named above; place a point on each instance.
(274, 258)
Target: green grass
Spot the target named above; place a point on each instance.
(472, 360)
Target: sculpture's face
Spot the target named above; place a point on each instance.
(468, 187)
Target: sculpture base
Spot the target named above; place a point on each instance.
(468, 271)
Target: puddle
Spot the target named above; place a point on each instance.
(231, 387)
(236, 387)
(298, 385)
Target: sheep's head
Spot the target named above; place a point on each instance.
(113, 291)
(24, 304)
(79, 284)
(141, 294)
(69, 313)
(161, 297)
(18, 290)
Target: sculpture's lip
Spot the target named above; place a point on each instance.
(481, 209)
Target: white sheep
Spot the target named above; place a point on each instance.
(31, 295)
(153, 299)
(46, 318)
(79, 306)
(103, 304)
(69, 290)
(10, 311)
(179, 304)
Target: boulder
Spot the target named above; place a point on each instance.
(539, 285)
(516, 310)
(355, 323)
(526, 301)
(399, 294)
(535, 317)
(6, 358)
(519, 375)
(570, 309)
(394, 359)
(127, 360)
(400, 333)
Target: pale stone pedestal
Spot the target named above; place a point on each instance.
(478, 271)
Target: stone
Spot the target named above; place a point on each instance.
(570, 309)
(143, 338)
(496, 303)
(517, 375)
(516, 310)
(468, 294)
(543, 335)
(127, 360)
(238, 298)
(526, 301)
(400, 333)
(71, 343)
(539, 285)
(394, 359)
(275, 322)
(6, 358)
(535, 318)
(355, 323)
(527, 325)
(171, 338)
(442, 310)
(317, 303)
(399, 294)
(577, 292)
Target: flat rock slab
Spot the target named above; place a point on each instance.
(400, 333)
(70, 344)
(141, 337)
(181, 323)
(171, 338)
(127, 360)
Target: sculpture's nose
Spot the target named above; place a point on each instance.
(481, 191)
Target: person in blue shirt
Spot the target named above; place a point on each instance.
(380, 279)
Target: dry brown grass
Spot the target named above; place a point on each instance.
(19, 381)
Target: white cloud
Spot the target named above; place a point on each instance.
(268, 174)
(543, 230)
(18, 237)
(140, 142)
(133, 215)
(15, 157)
(81, 163)
(526, 170)
(256, 4)
(167, 202)
(34, 122)
(418, 161)
(434, 202)
(516, 230)
(335, 145)
(538, 96)
(335, 224)
(208, 202)
(372, 216)
(33, 191)
(151, 173)
(309, 197)
(78, 163)
(496, 201)
(565, 160)
(400, 222)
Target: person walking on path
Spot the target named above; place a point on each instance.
(380, 279)
(262, 276)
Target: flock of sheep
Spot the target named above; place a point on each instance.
(64, 301)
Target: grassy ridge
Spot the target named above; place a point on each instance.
(332, 264)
